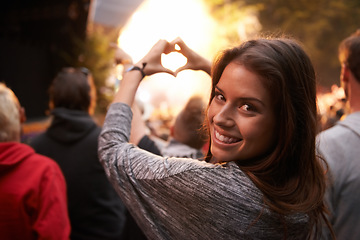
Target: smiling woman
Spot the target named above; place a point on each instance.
(282, 161)
(261, 178)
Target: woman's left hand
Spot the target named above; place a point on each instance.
(153, 59)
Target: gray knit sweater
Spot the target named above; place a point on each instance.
(179, 198)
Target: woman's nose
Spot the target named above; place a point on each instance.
(224, 117)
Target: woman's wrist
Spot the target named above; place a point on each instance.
(207, 67)
(139, 67)
(128, 87)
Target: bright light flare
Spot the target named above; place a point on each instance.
(159, 19)
(169, 19)
(173, 60)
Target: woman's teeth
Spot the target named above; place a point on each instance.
(225, 139)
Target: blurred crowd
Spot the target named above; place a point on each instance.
(331, 106)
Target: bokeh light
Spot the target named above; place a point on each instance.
(168, 19)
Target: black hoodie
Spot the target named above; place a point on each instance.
(95, 209)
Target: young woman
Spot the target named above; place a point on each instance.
(261, 180)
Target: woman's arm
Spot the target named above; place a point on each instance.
(138, 126)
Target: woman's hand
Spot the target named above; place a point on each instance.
(153, 59)
(194, 60)
(149, 64)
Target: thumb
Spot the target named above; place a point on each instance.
(185, 67)
(166, 70)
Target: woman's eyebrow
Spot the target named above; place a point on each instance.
(244, 98)
(219, 89)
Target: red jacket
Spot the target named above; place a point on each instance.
(33, 203)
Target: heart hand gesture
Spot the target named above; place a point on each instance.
(194, 60)
(153, 58)
(151, 64)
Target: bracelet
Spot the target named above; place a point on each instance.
(136, 68)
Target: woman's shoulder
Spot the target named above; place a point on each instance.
(221, 179)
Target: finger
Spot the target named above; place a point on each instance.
(177, 45)
(166, 70)
(185, 67)
(169, 48)
(179, 42)
(173, 47)
(160, 46)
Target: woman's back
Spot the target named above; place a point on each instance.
(178, 198)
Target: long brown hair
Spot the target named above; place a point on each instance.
(291, 177)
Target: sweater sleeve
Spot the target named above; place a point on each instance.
(52, 220)
(120, 157)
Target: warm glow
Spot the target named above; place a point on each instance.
(173, 60)
(168, 19)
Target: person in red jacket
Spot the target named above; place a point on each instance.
(33, 202)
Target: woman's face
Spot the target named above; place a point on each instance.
(241, 117)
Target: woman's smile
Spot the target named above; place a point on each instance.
(225, 139)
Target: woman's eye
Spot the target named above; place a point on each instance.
(247, 107)
(219, 96)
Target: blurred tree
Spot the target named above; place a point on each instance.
(96, 54)
(320, 25)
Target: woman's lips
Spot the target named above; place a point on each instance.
(226, 139)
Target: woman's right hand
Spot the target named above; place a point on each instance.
(149, 64)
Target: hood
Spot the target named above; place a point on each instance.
(12, 153)
(69, 126)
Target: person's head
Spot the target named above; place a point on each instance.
(188, 127)
(73, 88)
(349, 57)
(262, 114)
(11, 115)
(262, 103)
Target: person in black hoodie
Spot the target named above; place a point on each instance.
(95, 209)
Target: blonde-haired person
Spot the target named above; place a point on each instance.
(261, 178)
(11, 109)
(33, 202)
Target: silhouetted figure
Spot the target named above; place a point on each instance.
(95, 209)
